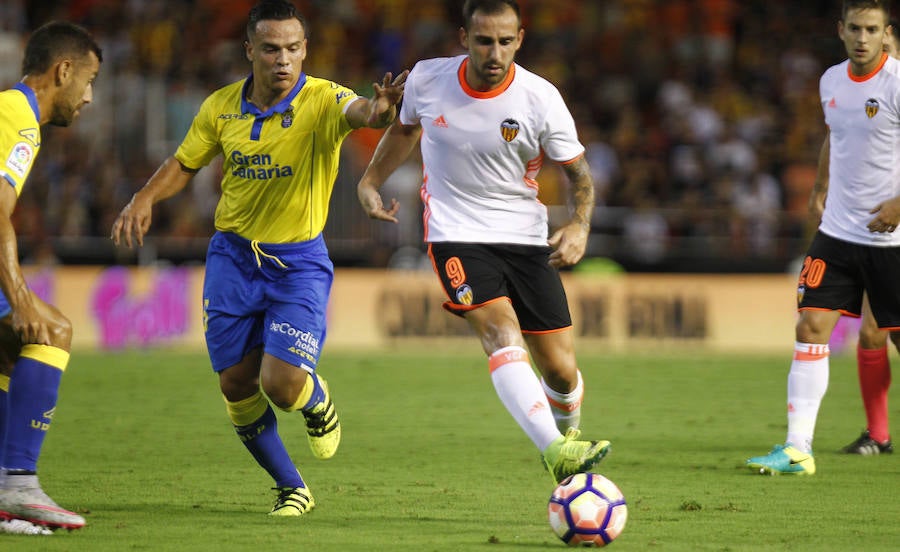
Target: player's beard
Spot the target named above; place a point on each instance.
(64, 111)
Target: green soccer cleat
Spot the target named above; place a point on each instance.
(784, 459)
(323, 430)
(292, 501)
(567, 456)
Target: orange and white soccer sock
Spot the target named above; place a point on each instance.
(566, 407)
(522, 395)
(807, 383)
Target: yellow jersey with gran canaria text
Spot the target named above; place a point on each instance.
(279, 165)
(20, 134)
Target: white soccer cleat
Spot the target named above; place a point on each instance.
(21, 497)
(22, 527)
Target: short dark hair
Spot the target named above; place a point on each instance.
(487, 7)
(54, 41)
(277, 10)
(883, 5)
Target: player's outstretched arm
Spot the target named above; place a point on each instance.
(394, 147)
(570, 242)
(134, 220)
(380, 110)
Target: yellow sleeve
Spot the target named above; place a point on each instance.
(338, 100)
(201, 144)
(19, 140)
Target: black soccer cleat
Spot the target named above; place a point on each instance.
(867, 446)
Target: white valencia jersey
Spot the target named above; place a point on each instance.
(482, 151)
(863, 117)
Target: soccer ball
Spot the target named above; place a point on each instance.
(587, 509)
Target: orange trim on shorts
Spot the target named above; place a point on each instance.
(842, 311)
(540, 332)
(499, 359)
(462, 309)
(449, 305)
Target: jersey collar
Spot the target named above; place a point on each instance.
(31, 97)
(870, 74)
(494, 92)
(281, 107)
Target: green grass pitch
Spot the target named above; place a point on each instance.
(430, 460)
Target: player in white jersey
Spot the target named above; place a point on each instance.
(856, 249)
(486, 125)
(873, 363)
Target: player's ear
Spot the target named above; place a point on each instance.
(248, 50)
(463, 37)
(520, 37)
(63, 71)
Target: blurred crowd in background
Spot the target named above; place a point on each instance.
(701, 121)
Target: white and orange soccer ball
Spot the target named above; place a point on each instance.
(587, 509)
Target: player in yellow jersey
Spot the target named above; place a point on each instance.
(268, 274)
(60, 64)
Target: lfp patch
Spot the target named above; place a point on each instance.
(20, 159)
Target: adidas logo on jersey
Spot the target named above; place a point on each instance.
(440, 122)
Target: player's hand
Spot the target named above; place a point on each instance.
(569, 244)
(887, 216)
(371, 202)
(387, 95)
(29, 324)
(132, 222)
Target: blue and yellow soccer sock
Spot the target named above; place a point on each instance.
(257, 427)
(311, 395)
(4, 415)
(31, 402)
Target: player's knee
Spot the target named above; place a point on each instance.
(496, 336)
(872, 338)
(283, 399)
(813, 330)
(283, 384)
(562, 382)
(61, 333)
(236, 389)
(895, 337)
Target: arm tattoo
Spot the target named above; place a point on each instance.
(581, 191)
